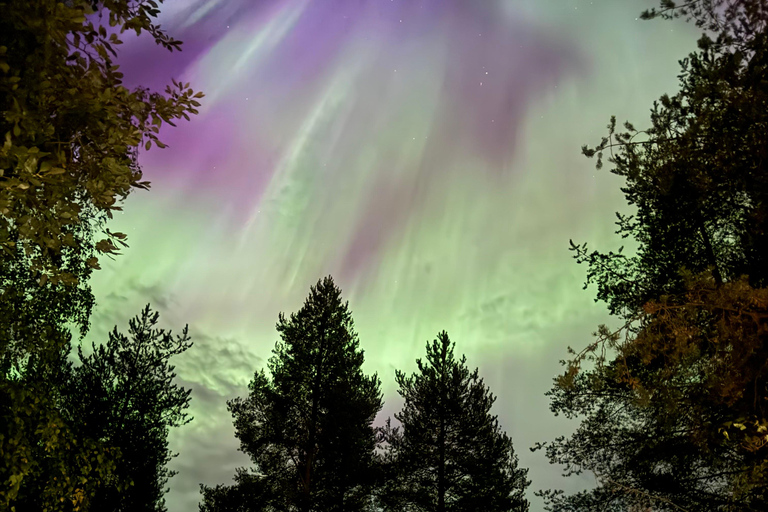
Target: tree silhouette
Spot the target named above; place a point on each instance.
(70, 136)
(674, 403)
(124, 395)
(307, 423)
(697, 177)
(451, 455)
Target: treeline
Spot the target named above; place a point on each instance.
(672, 404)
(307, 426)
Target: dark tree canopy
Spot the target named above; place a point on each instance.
(70, 134)
(307, 424)
(123, 394)
(108, 420)
(44, 462)
(451, 455)
(674, 415)
(698, 176)
(250, 492)
(674, 404)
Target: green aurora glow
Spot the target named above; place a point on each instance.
(335, 163)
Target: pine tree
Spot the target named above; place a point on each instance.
(307, 424)
(123, 394)
(449, 455)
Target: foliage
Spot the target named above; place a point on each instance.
(673, 404)
(70, 130)
(674, 415)
(123, 394)
(250, 492)
(94, 437)
(697, 177)
(307, 424)
(33, 318)
(46, 464)
(734, 21)
(35, 440)
(69, 139)
(451, 455)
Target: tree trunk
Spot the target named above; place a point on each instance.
(313, 421)
(441, 468)
(710, 252)
(441, 434)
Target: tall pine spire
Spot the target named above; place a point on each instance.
(450, 454)
(307, 422)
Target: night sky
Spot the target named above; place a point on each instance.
(426, 153)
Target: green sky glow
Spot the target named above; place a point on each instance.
(377, 159)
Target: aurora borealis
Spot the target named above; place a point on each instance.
(423, 152)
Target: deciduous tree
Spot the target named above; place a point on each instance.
(70, 129)
(70, 134)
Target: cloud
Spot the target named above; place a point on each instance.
(208, 454)
(217, 366)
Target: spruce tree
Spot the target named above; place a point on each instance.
(307, 423)
(449, 455)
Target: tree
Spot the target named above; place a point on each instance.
(123, 394)
(35, 341)
(71, 131)
(307, 424)
(70, 134)
(451, 455)
(70, 139)
(110, 417)
(674, 403)
(250, 492)
(672, 414)
(46, 464)
(697, 177)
